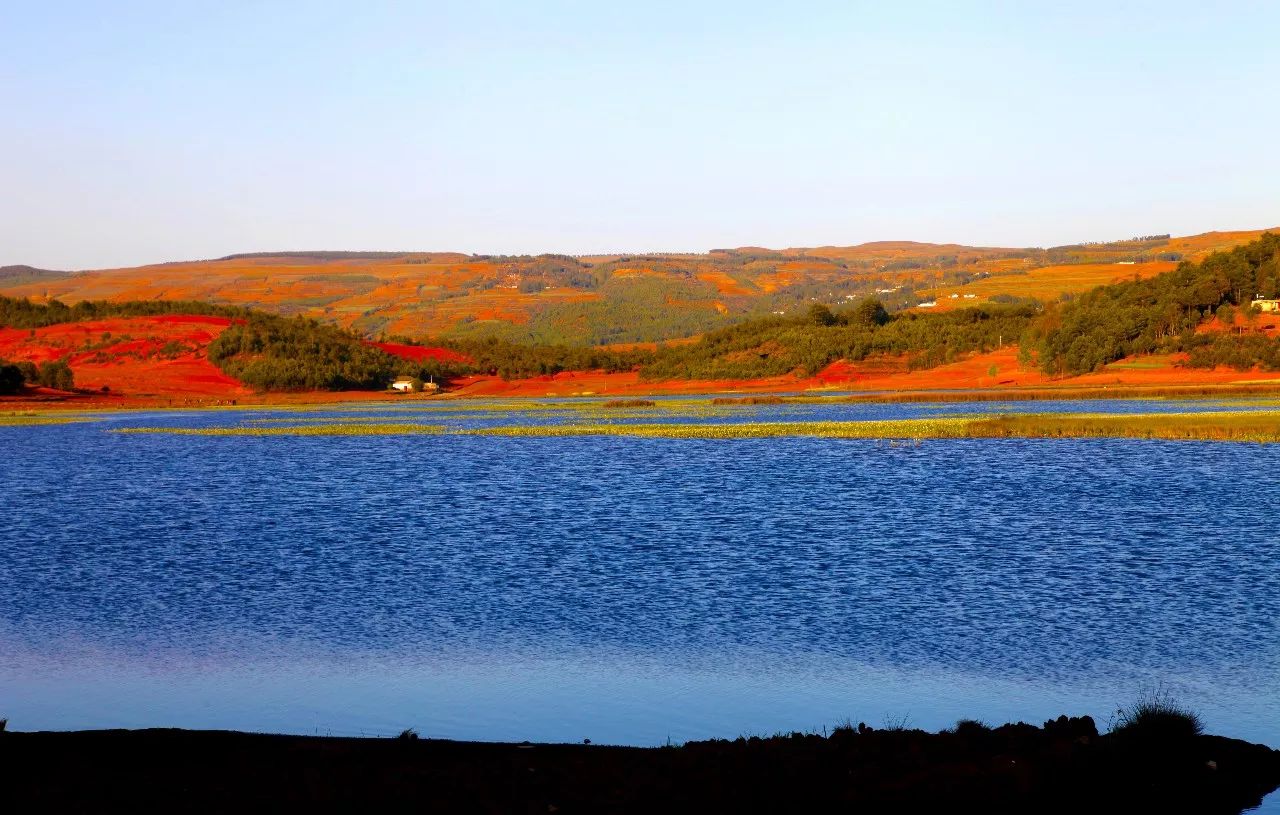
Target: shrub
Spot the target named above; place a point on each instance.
(971, 727)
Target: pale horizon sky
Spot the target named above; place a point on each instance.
(148, 132)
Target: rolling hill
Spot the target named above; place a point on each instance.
(614, 299)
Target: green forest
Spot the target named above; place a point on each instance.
(296, 354)
(1160, 315)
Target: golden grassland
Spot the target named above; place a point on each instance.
(1048, 282)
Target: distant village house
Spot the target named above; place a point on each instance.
(1266, 306)
(409, 384)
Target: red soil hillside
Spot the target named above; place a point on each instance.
(137, 356)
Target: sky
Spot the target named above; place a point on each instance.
(135, 132)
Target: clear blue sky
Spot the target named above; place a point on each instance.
(140, 132)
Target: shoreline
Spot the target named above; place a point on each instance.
(93, 402)
(1064, 765)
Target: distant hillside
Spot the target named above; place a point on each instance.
(611, 299)
(23, 275)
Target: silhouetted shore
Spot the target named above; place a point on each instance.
(1064, 766)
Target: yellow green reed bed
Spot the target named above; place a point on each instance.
(1234, 426)
(34, 419)
(908, 428)
(299, 430)
(1249, 426)
(323, 420)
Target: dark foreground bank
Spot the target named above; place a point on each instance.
(1064, 766)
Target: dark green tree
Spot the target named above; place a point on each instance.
(869, 312)
(11, 378)
(57, 374)
(820, 314)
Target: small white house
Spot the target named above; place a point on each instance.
(1267, 306)
(404, 384)
(928, 304)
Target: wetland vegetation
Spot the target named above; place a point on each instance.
(685, 419)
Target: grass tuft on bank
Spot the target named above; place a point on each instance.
(1157, 717)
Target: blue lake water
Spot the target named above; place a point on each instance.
(629, 590)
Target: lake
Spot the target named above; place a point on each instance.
(628, 590)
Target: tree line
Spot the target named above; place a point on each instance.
(22, 313)
(778, 345)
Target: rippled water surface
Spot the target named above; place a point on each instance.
(628, 590)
